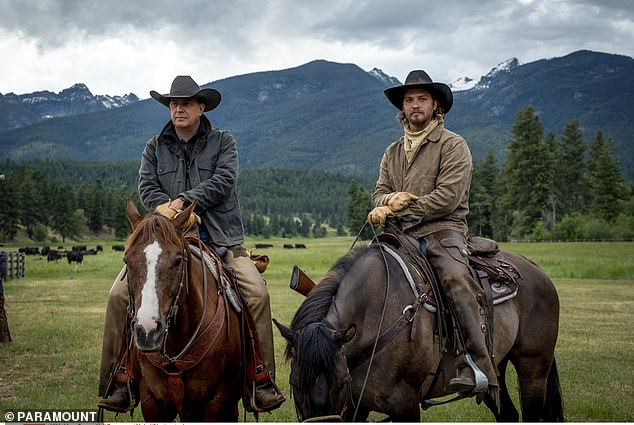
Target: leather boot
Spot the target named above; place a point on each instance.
(268, 397)
(475, 371)
(118, 401)
(464, 382)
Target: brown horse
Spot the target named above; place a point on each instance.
(363, 341)
(186, 350)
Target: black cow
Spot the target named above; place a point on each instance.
(289, 246)
(263, 245)
(79, 248)
(118, 248)
(75, 256)
(300, 246)
(53, 255)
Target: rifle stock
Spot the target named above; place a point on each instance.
(300, 282)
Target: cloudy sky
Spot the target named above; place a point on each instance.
(121, 46)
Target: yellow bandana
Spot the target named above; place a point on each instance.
(414, 139)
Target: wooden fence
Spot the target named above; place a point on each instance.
(15, 264)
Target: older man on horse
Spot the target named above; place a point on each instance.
(192, 162)
(423, 187)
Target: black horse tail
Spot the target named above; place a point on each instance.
(553, 405)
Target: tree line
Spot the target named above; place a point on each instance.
(547, 188)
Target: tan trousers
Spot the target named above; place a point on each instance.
(250, 284)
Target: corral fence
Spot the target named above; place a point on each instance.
(14, 264)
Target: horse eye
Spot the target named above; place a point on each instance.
(177, 262)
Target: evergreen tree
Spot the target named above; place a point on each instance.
(606, 181)
(358, 205)
(9, 213)
(571, 173)
(522, 170)
(484, 192)
(66, 218)
(31, 199)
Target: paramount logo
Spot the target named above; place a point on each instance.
(51, 416)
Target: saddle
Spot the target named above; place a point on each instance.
(496, 274)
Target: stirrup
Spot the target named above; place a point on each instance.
(481, 381)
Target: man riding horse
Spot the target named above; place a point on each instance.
(423, 189)
(192, 162)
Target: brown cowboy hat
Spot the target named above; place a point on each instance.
(419, 79)
(185, 86)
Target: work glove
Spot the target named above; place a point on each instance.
(379, 214)
(398, 201)
(166, 211)
(193, 218)
(171, 213)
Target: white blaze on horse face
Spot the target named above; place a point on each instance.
(149, 311)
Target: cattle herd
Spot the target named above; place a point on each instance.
(75, 255)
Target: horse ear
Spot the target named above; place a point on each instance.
(183, 220)
(286, 332)
(133, 214)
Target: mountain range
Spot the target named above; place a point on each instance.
(331, 116)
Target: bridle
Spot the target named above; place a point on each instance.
(170, 318)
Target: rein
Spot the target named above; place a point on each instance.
(171, 315)
(378, 334)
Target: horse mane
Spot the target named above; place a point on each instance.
(317, 352)
(151, 227)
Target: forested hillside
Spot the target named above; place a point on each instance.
(548, 188)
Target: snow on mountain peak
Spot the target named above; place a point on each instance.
(384, 78)
(463, 83)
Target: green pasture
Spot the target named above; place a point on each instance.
(56, 317)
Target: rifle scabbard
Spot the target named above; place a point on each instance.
(300, 282)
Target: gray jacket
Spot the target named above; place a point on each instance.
(209, 178)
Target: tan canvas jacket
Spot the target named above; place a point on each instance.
(440, 175)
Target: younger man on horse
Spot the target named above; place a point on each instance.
(190, 161)
(424, 181)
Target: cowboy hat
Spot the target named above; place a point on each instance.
(419, 79)
(185, 86)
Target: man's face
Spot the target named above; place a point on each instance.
(418, 106)
(186, 112)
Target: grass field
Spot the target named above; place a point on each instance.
(56, 318)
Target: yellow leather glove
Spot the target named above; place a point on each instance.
(398, 201)
(171, 213)
(379, 214)
(193, 218)
(166, 211)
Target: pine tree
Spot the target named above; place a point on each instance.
(606, 181)
(357, 208)
(484, 192)
(571, 174)
(525, 194)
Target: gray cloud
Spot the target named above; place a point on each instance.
(221, 38)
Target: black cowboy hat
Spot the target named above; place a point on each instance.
(185, 86)
(419, 79)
